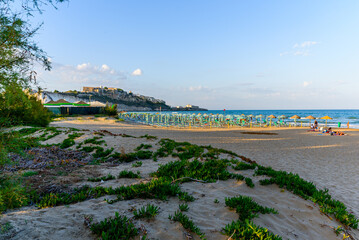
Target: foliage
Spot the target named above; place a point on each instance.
(307, 190)
(244, 166)
(183, 207)
(105, 178)
(239, 230)
(247, 208)
(117, 228)
(100, 152)
(123, 157)
(69, 141)
(137, 164)
(129, 174)
(143, 146)
(187, 223)
(30, 173)
(111, 110)
(94, 141)
(148, 211)
(249, 182)
(12, 194)
(18, 107)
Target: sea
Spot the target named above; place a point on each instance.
(341, 117)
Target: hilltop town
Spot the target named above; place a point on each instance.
(126, 101)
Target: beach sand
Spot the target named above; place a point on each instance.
(328, 161)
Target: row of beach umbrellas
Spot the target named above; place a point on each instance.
(211, 120)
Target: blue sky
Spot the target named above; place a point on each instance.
(216, 54)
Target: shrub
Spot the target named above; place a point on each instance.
(119, 227)
(149, 211)
(187, 223)
(12, 194)
(129, 174)
(183, 207)
(111, 110)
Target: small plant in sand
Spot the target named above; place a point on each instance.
(187, 223)
(94, 141)
(216, 200)
(30, 173)
(143, 146)
(307, 190)
(101, 153)
(105, 178)
(69, 141)
(5, 227)
(249, 182)
(137, 164)
(239, 230)
(119, 227)
(149, 211)
(183, 207)
(246, 207)
(129, 174)
(244, 166)
(148, 137)
(123, 157)
(243, 228)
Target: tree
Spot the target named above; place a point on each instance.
(18, 51)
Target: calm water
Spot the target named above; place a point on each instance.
(342, 116)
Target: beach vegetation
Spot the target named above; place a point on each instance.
(244, 166)
(149, 211)
(187, 223)
(30, 173)
(101, 153)
(12, 194)
(143, 146)
(149, 137)
(137, 164)
(116, 228)
(111, 110)
(129, 157)
(247, 230)
(183, 207)
(129, 174)
(94, 141)
(307, 190)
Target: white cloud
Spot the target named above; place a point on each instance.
(82, 66)
(196, 88)
(306, 84)
(301, 53)
(137, 72)
(104, 68)
(305, 44)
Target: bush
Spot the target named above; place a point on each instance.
(18, 107)
(12, 194)
(111, 110)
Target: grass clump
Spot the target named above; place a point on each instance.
(94, 141)
(183, 207)
(246, 207)
(101, 153)
(129, 174)
(249, 182)
(30, 173)
(187, 223)
(148, 137)
(117, 228)
(69, 141)
(247, 230)
(307, 190)
(105, 178)
(149, 211)
(123, 157)
(244, 166)
(143, 146)
(137, 164)
(12, 194)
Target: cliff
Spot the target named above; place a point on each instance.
(125, 101)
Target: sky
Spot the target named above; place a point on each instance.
(227, 54)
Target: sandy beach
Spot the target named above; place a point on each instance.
(327, 161)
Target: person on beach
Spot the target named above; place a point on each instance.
(315, 124)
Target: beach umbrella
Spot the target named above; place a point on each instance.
(271, 116)
(326, 119)
(295, 117)
(282, 116)
(310, 117)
